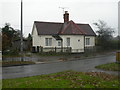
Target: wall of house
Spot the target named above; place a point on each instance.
(35, 38)
(76, 42)
(39, 40)
(92, 41)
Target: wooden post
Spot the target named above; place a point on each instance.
(61, 45)
(70, 49)
(41, 49)
(55, 50)
(118, 57)
(37, 49)
(84, 44)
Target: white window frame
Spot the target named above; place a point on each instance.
(48, 41)
(59, 42)
(87, 41)
(68, 41)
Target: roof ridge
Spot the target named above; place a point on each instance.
(82, 23)
(48, 22)
(58, 22)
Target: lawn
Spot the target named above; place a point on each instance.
(110, 66)
(66, 79)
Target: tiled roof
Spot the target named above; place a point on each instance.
(87, 29)
(71, 28)
(68, 28)
(47, 28)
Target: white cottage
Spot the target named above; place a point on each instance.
(67, 36)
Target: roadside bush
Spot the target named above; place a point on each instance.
(11, 52)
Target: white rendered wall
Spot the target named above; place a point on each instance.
(36, 39)
(77, 46)
(92, 41)
(76, 41)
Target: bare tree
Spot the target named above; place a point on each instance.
(105, 34)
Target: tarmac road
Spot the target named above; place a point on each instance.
(86, 65)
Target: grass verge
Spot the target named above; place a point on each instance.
(110, 66)
(15, 63)
(52, 54)
(66, 79)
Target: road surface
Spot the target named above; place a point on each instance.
(86, 65)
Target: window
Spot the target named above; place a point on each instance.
(87, 41)
(48, 41)
(59, 43)
(68, 41)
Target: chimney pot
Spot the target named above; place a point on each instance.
(66, 16)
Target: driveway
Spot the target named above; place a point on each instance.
(86, 65)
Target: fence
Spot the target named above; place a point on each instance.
(78, 50)
(66, 49)
(51, 49)
(19, 58)
(93, 49)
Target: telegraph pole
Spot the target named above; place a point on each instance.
(21, 43)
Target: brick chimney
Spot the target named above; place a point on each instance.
(66, 16)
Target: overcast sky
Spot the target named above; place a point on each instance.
(80, 11)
